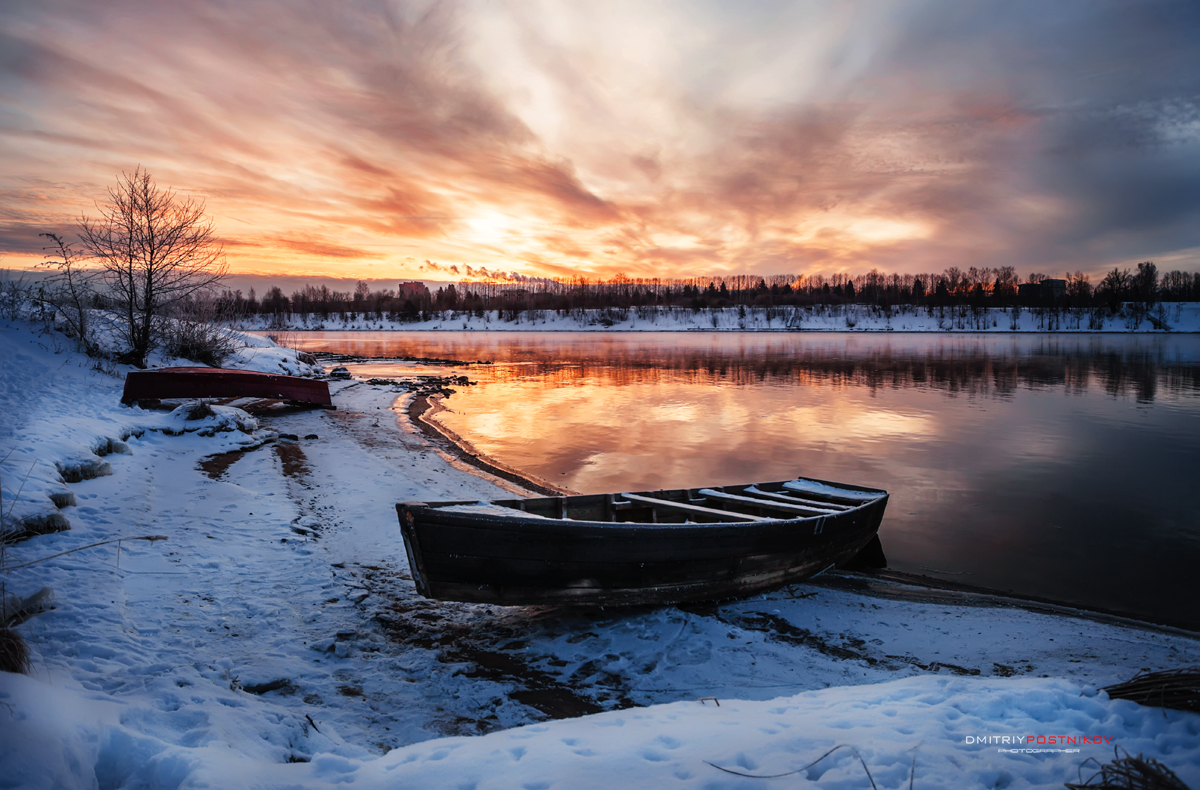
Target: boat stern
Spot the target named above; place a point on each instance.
(412, 546)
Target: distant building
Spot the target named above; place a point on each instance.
(415, 290)
(1054, 289)
(1046, 293)
(1029, 293)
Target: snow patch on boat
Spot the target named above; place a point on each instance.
(822, 489)
(488, 509)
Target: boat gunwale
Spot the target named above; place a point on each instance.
(438, 511)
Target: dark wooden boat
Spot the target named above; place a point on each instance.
(650, 547)
(166, 383)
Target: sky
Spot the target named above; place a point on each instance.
(381, 140)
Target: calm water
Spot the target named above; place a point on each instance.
(1063, 467)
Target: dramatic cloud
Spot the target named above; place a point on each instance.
(375, 138)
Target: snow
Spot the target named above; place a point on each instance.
(926, 729)
(61, 420)
(275, 639)
(488, 509)
(1162, 318)
(814, 487)
(254, 354)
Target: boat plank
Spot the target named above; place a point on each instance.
(721, 515)
(821, 490)
(784, 497)
(486, 570)
(768, 504)
(601, 545)
(540, 595)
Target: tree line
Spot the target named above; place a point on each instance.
(975, 287)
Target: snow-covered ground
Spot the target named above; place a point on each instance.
(61, 420)
(1165, 317)
(275, 639)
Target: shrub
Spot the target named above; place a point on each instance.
(200, 340)
(14, 653)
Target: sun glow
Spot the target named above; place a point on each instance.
(673, 140)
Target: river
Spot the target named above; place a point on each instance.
(1063, 467)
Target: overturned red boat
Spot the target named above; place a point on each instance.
(165, 383)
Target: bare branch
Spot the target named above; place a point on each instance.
(155, 250)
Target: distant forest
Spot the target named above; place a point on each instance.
(977, 287)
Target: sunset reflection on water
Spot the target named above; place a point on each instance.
(1052, 465)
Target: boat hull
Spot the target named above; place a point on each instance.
(165, 383)
(526, 560)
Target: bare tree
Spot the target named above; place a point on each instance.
(1114, 287)
(1005, 286)
(1145, 282)
(70, 290)
(1079, 289)
(155, 250)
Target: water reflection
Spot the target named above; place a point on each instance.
(1119, 365)
(1050, 465)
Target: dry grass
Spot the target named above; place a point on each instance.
(1129, 773)
(1178, 689)
(14, 653)
(198, 410)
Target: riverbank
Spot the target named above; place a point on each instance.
(275, 638)
(422, 413)
(1183, 317)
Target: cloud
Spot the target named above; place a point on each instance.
(320, 248)
(670, 139)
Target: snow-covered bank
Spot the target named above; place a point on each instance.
(275, 640)
(932, 732)
(1165, 317)
(62, 420)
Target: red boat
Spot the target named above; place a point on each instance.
(222, 383)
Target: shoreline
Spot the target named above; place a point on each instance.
(1166, 318)
(914, 587)
(421, 410)
(615, 330)
(926, 589)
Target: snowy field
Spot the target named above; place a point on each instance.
(275, 640)
(1166, 317)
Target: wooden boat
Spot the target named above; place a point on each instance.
(650, 547)
(222, 383)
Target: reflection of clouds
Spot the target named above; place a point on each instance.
(833, 422)
(491, 426)
(615, 411)
(678, 411)
(1147, 367)
(1027, 445)
(524, 422)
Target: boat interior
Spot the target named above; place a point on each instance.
(789, 499)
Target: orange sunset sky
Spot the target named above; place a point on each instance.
(360, 139)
